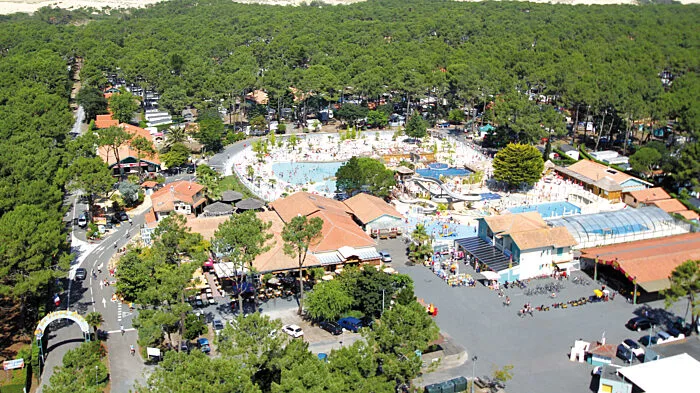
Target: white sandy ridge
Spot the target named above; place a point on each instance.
(12, 6)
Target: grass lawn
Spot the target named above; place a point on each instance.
(232, 183)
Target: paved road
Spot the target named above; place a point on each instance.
(88, 296)
(537, 346)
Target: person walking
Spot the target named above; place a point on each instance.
(121, 329)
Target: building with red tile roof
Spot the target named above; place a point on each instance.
(644, 197)
(604, 181)
(182, 197)
(374, 214)
(648, 262)
(128, 156)
(105, 121)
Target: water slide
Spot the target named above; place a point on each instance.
(421, 181)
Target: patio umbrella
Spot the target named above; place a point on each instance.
(389, 270)
(598, 292)
(273, 281)
(327, 278)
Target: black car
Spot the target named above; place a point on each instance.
(639, 323)
(185, 346)
(123, 216)
(331, 327)
(80, 273)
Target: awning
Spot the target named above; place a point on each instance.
(485, 253)
(367, 254)
(328, 259)
(489, 275)
(227, 269)
(656, 285)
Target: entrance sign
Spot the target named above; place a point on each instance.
(12, 364)
(63, 314)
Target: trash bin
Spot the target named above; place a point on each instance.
(434, 388)
(460, 384)
(447, 387)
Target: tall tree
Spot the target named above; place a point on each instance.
(144, 148)
(31, 245)
(328, 301)
(123, 106)
(92, 176)
(365, 174)
(113, 138)
(518, 164)
(177, 155)
(645, 159)
(416, 127)
(243, 237)
(687, 172)
(211, 131)
(93, 102)
(299, 234)
(94, 319)
(685, 283)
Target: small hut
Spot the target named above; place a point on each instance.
(218, 209)
(230, 196)
(250, 204)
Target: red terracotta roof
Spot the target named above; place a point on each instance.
(339, 230)
(275, 259)
(650, 194)
(105, 121)
(670, 205)
(151, 221)
(125, 150)
(368, 208)
(689, 215)
(164, 199)
(305, 204)
(649, 260)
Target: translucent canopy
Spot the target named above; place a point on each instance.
(613, 224)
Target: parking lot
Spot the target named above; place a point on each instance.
(537, 346)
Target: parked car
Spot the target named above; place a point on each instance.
(293, 330)
(350, 323)
(679, 335)
(647, 339)
(123, 216)
(114, 219)
(386, 257)
(624, 353)
(664, 337)
(634, 347)
(639, 323)
(185, 346)
(80, 273)
(331, 327)
(82, 220)
(203, 344)
(218, 326)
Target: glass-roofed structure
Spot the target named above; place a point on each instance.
(626, 225)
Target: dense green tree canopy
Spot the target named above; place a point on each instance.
(517, 165)
(365, 174)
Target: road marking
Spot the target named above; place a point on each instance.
(104, 303)
(119, 312)
(119, 331)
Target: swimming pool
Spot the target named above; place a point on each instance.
(549, 210)
(436, 173)
(300, 173)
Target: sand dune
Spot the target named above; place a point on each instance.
(12, 6)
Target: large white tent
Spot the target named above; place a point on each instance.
(672, 374)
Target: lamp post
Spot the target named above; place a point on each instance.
(96, 368)
(473, 371)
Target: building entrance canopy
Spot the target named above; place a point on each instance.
(485, 253)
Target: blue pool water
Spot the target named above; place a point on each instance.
(449, 172)
(300, 173)
(549, 210)
(437, 228)
(489, 196)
